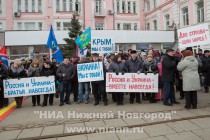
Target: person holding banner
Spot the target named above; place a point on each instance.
(150, 66)
(118, 67)
(66, 73)
(16, 72)
(34, 71)
(98, 87)
(191, 81)
(134, 65)
(47, 70)
(3, 75)
(83, 85)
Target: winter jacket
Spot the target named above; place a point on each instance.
(68, 70)
(3, 73)
(134, 66)
(205, 64)
(17, 73)
(169, 68)
(150, 67)
(33, 72)
(189, 69)
(47, 71)
(117, 67)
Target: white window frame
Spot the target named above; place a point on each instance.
(0, 6)
(26, 6)
(167, 21)
(118, 26)
(39, 5)
(70, 5)
(135, 26)
(129, 6)
(99, 6)
(123, 6)
(21, 26)
(19, 6)
(99, 27)
(65, 28)
(34, 28)
(33, 5)
(134, 6)
(58, 27)
(118, 7)
(1, 26)
(148, 6)
(185, 16)
(58, 5)
(148, 26)
(64, 4)
(155, 25)
(40, 26)
(127, 26)
(154, 4)
(200, 12)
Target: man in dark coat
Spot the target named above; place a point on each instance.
(3, 75)
(206, 69)
(168, 77)
(134, 65)
(66, 73)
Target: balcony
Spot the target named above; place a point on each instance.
(100, 13)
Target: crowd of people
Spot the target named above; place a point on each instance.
(184, 70)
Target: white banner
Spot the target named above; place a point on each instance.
(29, 86)
(90, 72)
(193, 36)
(131, 82)
(102, 45)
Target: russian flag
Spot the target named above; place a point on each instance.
(3, 56)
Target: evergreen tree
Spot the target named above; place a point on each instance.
(74, 30)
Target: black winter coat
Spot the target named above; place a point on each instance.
(169, 68)
(17, 73)
(47, 71)
(68, 70)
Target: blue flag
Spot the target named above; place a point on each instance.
(83, 40)
(52, 44)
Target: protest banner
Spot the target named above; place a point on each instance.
(102, 45)
(29, 86)
(131, 82)
(90, 72)
(193, 36)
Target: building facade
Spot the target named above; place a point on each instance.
(149, 15)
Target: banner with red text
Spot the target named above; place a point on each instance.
(193, 36)
(131, 82)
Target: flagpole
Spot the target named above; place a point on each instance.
(50, 54)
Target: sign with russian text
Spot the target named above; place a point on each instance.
(132, 82)
(193, 36)
(102, 45)
(29, 86)
(90, 72)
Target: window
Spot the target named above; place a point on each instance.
(29, 26)
(99, 26)
(148, 26)
(135, 26)
(118, 26)
(185, 16)
(123, 7)
(40, 26)
(148, 6)
(1, 26)
(57, 5)
(66, 25)
(118, 7)
(155, 25)
(19, 26)
(70, 5)
(200, 12)
(154, 3)
(0, 7)
(58, 24)
(26, 5)
(127, 26)
(129, 7)
(33, 5)
(167, 22)
(99, 6)
(19, 6)
(39, 5)
(18, 52)
(134, 7)
(77, 7)
(64, 5)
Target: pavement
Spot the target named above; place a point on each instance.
(153, 121)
